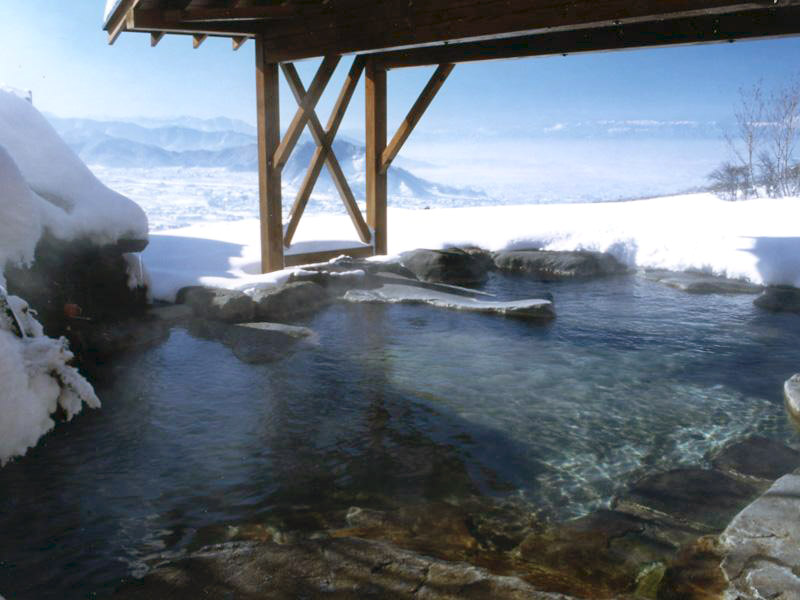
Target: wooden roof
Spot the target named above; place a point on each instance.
(433, 31)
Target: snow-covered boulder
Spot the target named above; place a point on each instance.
(64, 235)
(72, 203)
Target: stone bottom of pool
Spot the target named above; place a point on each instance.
(400, 450)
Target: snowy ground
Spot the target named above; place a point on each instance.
(756, 240)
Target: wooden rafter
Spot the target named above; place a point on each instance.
(305, 110)
(231, 14)
(690, 30)
(415, 114)
(238, 41)
(392, 23)
(324, 153)
(198, 39)
(120, 19)
(155, 37)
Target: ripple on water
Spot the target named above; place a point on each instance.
(401, 402)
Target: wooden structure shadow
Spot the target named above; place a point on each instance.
(391, 34)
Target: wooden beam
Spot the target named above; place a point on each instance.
(309, 258)
(305, 110)
(278, 11)
(693, 30)
(269, 177)
(120, 19)
(155, 37)
(324, 153)
(353, 26)
(238, 41)
(198, 39)
(377, 188)
(415, 114)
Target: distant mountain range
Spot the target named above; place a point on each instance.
(229, 144)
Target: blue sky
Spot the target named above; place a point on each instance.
(57, 49)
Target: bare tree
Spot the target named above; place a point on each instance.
(783, 127)
(763, 144)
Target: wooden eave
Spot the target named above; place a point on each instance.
(296, 29)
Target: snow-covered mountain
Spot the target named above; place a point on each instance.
(121, 144)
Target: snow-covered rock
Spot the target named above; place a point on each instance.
(72, 203)
(46, 192)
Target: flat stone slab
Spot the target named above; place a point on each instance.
(255, 343)
(701, 283)
(761, 546)
(395, 291)
(345, 569)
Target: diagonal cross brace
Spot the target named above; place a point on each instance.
(415, 114)
(305, 110)
(324, 153)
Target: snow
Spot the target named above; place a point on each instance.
(36, 381)
(72, 202)
(44, 187)
(754, 240)
(110, 6)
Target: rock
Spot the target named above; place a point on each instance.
(289, 301)
(600, 555)
(701, 500)
(547, 265)
(761, 546)
(778, 298)
(255, 343)
(400, 290)
(345, 568)
(701, 283)
(757, 458)
(217, 304)
(791, 396)
(68, 278)
(695, 573)
(172, 313)
(96, 342)
(452, 265)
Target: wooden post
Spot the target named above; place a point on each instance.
(377, 190)
(269, 176)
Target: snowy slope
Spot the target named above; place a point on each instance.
(756, 240)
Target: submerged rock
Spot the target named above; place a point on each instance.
(255, 343)
(290, 301)
(701, 283)
(757, 458)
(452, 265)
(345, 568)
(217, 304)
(779, 298)
(400, 290)
(701, 500)
(545, 265)
(761, 546)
